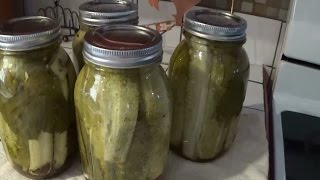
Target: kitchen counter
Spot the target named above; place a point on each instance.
(246, 160)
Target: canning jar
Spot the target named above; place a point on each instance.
(97, 13)
(208, 73)
(37, 77)
(123, 104)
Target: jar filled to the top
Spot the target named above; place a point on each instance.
(123, 104)
(37, 77)
(97, 13)
(208, 73)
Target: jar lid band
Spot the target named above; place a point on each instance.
(28, 33)
(123, 46)
(215, 25)
(108, 12)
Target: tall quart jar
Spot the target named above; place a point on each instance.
(95, 14)
(37, 77)
(208, 73)
(123, 105)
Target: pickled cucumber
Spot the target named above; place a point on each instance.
(121, 107)
(77, 47)
(212, 129)
(60, 149)
(196, 96)
(41, 151)
(157, 117)
(178, 71)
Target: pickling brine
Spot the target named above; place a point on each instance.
(37, 119)
(209, 78)
(123, 106)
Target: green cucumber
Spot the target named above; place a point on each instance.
(196, 97)
(158, 116)
(136, 167)
(121, 112)
(77, 47)
(41, 151)
(178, 74)
(60, 149)
(212, 129)
(58, 67)
(231, 133)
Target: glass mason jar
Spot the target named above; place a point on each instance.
(123, 106)
(95, 14)
(208, 73)
(37, 116)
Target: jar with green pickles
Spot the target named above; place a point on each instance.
(37, 116)
(208, 73)
(97, 13)
(123, 105)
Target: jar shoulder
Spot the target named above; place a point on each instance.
(90, 78)
(78, 40)
(37, 71)
(189, 50)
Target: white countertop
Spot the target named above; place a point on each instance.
(246, 160)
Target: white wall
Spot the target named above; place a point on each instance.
(262, 34)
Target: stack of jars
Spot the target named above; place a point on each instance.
(123, 102)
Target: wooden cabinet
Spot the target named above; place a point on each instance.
(10, 9)
(6, 10)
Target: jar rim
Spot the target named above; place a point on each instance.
(28, 33)
(108, 12)
(123, 46)
(215, 25)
